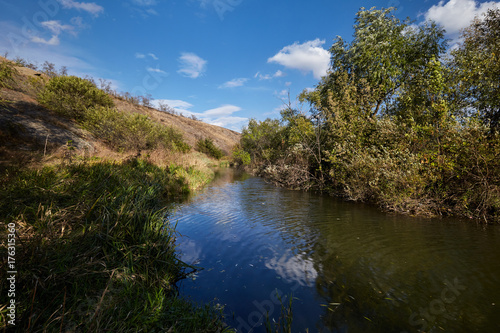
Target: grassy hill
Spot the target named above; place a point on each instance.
(30, 130)
(85, 177)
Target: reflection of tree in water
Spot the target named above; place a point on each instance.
(363, 297)
(354, 302)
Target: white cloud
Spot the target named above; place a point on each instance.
(174, 103)
(260, 76)
(234, 83)
(140, 56)
(224, 110)
(152, 55)
(145, 2)
(279, 74)
(90, 7)
(191, 65)
(220, 116)
(294, 268)
(307, 57)
(456, 15)
(53, 41)
(229, 122)
(56, 27)
(156, 70)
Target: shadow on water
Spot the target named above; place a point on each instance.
(350, 267)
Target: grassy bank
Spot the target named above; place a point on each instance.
(94, 251)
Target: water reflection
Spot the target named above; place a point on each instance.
(350, 267)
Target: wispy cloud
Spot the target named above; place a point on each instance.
(223, 116)
(52, 41)
(55, 28)
(90, 7)
(191, 65)
(139, 55)
(143, 7)
(145, 2)
(307, 57)
(220, 116)
(234, 83)
(260, 76)
(156, 70)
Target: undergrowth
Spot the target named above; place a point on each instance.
(95, 251)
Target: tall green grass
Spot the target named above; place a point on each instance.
(96, 252)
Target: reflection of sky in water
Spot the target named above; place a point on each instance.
(252, 239)
(293, 268)
(190, 253)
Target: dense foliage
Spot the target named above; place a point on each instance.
(208, 147)
(396, 121)
(72, 96)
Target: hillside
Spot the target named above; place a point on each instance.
(27, 127)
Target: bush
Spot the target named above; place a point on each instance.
(72, 96)
(207, 146)
(240, 156)
(6, 74)
(131, 131)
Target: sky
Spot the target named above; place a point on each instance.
(223, 61)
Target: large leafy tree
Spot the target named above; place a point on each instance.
(384, 54)
(476, 64)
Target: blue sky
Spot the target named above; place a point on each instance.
(225, 61)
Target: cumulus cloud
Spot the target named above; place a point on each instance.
(234, 83)
(191, 65)
(456, 15)
(307, 57)
(90, 7)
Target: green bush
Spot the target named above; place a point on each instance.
(240, 156)
(131, 131)
(72, 96)
(208, 147)
(6, 74)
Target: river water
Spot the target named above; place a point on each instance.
(348, 266)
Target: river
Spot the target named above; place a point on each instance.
(348, 266)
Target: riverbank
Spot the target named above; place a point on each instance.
(93, 250)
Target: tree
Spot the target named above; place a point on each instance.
(476, 65)
(262, 139)
(384, 54)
